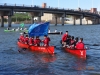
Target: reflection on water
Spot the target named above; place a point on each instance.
(62, 63)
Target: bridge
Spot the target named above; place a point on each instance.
(35, 11)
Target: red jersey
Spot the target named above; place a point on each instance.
(46, 41)
(26, 40)
(37, 42)
(31, 41)
(72, 42)
(64, 37)
(80, 45)
(21, 38)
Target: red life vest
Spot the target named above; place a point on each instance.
(64, 37)
(26, 40)
(46, 41)
(72, 42)
(21, 38)
(31, 41)
(37, 42)
(80, 45)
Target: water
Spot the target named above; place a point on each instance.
(12, 62)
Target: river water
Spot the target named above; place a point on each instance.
(27, 63)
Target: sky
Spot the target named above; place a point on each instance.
(71, 4)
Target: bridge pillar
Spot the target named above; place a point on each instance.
(32, 19)
(74, 20)
(62, 21)
(87, 22)
(55, 20)
(98, 21)
(2, 21)
(9, 21)
(93, 21)
(81, 17)
(39, 19)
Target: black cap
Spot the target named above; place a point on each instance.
(66, 31)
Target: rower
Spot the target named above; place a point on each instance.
(76, 41)
(55, 30)
(64, 38)
(21, 38)
(37, 41)
(21, 28)
(80, 44)
(68, 41)
(31, 41)
(49, 31)
(46, 40)
(7, 28)
(72, 41)
(26, 40)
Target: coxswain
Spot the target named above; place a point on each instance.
(37, 41)
(46, 40)
(64, 38)
(80, 44)
(26, 40)
(21, 38)
(31, 41)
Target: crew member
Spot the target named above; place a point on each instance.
(37, 41)
(46, 40)
(31, 41)
(80, 44)
(49, 31)
(72, 42)
(26, 40)
(64, 38)
(76, 41)
(55, 30)
(21, 38)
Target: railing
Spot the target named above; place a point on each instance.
(49, 7)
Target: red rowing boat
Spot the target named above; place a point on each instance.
(81, 53)
(48, 49)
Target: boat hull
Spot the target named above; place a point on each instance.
(81, 53)
(56, 33)
(43, 49)
(15, 30)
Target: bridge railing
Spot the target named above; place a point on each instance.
(49, 7)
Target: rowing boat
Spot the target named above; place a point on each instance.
(8, 30)
(81, 53)
(15, 30)
(55, 33)
(43, 49)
